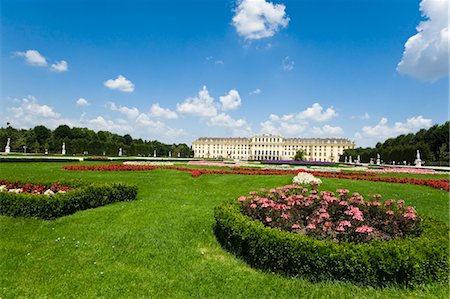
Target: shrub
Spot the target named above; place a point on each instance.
(61, 204)
(405, 262)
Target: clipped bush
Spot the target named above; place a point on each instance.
(408, 262)
(61, 204)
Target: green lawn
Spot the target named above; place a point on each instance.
(162, 244)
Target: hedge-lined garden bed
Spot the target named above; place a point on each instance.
(51, 206)
(409, 261)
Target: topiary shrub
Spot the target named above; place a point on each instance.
(409, 261)
(61, 204)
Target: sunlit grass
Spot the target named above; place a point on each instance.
(162, 244)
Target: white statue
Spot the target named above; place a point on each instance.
(8, 148)
(359, 159)
(418, 161)
(170, 154)
(178, 155)
(350, 159)
(378, 159)
(120, 152)
(154, 153)
(346, 159)
(63, 150)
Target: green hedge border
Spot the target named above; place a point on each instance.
(405, 262)
(62, 204)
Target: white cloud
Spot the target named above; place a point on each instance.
(328, 130)
(121, 83)
(60, 66)
(131, 113)
(158, 111)
(426, 54)
(383, 131)
(256, 91)
(299, 123)
(82, 102)
(30, 108)
(33, 57)
(256, 19)
(239, 126)
(365, 116)
(218, 61)
(201, 105)
(287, 64)
(231, 101)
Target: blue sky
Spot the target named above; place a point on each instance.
(178, 70)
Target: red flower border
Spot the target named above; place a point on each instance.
(362, 176)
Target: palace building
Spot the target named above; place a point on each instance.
(271, 147)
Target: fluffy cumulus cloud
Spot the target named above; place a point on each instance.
(131, 113)
(299, 123)
(60, 66)
(158, 111)
(257, 19)
(33, 57)
(328, 130)
(200, 105)
(29, 107)
(239, 127)
(231, 101)
(426, 54)
(120, 83)
(382, 131)
(82, 102)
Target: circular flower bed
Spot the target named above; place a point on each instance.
(262, 229)
(329, 216)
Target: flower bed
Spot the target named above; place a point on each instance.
(17, 187)
(304, 178)
(438, 184)
(327, 216)
(31, 202)
(148, 163)
(408, 261)
(406, 170)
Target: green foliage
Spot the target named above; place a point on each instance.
(300, 155)
(61, 204)
(433, 145)
(405, 262)
(81, 140)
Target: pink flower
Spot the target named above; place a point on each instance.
(242, 198)
(272, 190)
(311, 226)
(410, 216)
(340, 228)
(322, 210)
(268, 219)
(324, 215)
(389, 212)
(376, 196)
(400, 201)
(376, 203)
(410, 209)
(345, 223)
(253, 206)
(388, 202)
(295, 226)
(285, 216)
(343, 203)
(364, 229)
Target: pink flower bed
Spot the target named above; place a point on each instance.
(339, 216)
(405, 170)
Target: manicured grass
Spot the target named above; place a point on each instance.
(162, 244)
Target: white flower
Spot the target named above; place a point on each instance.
(49, 192)
(16, 190)
(3, 188)
(304, 178)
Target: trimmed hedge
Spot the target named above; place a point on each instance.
(405, 262)
(9, 159)
(61, 204)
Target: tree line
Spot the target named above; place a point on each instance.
(433, 144)
(85, 141)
